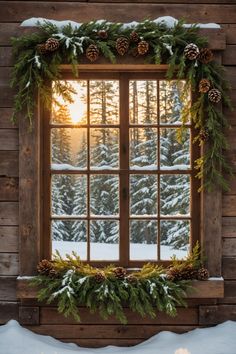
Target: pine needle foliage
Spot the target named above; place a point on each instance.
(34, 72)
(146, 291)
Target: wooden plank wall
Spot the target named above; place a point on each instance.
(46, 319)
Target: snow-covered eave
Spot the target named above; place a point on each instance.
(213, 288)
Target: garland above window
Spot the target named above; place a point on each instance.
(39, 55)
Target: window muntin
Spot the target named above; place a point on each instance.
(148, 232)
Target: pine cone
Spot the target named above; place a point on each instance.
(191, 51)
(132, 279)
(202, 274)
(204, 134)
(204, 85)
(92, 52)
(186, 273)
(53, 273)
(120, 272)
(44, 267)
(52, 44)
(103, 34)
(41, 48)
(214, 95)
(174, 274)
(100, 277)
(134, 37)
(134, 52)
(189, 272)
(205, 56)
(122, 45)
(143, 47)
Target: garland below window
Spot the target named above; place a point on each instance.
(108, 290)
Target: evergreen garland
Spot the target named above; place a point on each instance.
(38, 58)
(73, 283)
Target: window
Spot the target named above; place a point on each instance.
(118, 186)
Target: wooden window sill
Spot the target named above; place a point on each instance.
(209, 289)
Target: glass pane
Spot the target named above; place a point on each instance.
(69, 194)
(68, 236)
(143, 240)
(104, 102)
(174, 155)
(143, 102)
(143, 195)
(104, 194)
(175, 235)
(68, 148)
(104, 240)
(74, 112)
(143, 148)
(171, 102)
(104, 148)
(175, 194)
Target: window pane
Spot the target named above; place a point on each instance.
(143, 240)
(104, 148)
(175, 236)
(69, 148)
(175, 194)
(143, 148)
(68, 236)
(104, 240)
(143, 195)
(104, 195)
(143, 102)
(171, 104)
(174, 155)
(104, 102)
(69, 194)
(74, 112)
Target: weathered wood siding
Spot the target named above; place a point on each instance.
(46, 320)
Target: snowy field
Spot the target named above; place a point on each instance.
(221, 339)
(108, 251)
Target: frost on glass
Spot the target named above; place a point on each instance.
(143, 102)
(68, 148)
(104, 102)
(174, 155)
(74, 112)
(104, 195)
(176, 235)
(143, 239)
(143, 195)
(69, 194)
(172, 102)
(104, 240)
(68, 236)
(175, 194)
(104, 148)
(143, 148)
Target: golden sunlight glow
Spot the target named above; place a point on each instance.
(77, 111)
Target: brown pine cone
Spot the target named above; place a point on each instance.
(100, 277)
(92, 52)
(41, 48)
(132, 279)
(189, 272)
(53, 273)
(134, 52)
(204, 85)
(122, 45)
(119, 272)
(205, 56)
(191, 51)
(174, 274)
(44, 267)
(214, 95)
(185, 273)
(134, 37)
(52, 44)
(203, 274)
(204, 134)
(103, 34)
(143, 47)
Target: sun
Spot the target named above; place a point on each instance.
(77, 111)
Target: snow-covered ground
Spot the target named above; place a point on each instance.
(108, 251)
(221, 339)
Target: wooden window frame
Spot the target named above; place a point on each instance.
(31, 196)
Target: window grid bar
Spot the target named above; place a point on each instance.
(158, 177)
(88, 167)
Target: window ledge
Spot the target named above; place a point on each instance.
(208, 289)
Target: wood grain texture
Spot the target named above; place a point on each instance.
(229, 267)
(5, 119)
(9, 213)
(9, 239)
(8, 311)
(7, 288)
(9, 264)
(9, 164)
(229, 247)
(229, 205)
(9, 189)
(212, 315)
(29, 315)
(6, 56)
(12, 11)
(229, 226)
(229, 55)
(9, 139)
